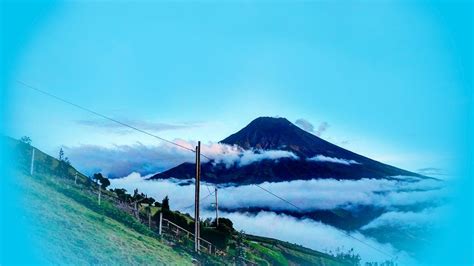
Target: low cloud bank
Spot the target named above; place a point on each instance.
(308, 195)
(120, 160)
(322, 158)
(322, 194)
(315, 235)
(427, 218)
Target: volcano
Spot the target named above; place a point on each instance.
(315, 158)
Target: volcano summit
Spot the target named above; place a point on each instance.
(311, 158)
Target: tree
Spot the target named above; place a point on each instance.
(224, 224)
(122, 194)
(138, 197)
(103, 181)
(26, 140)
(348, 256)
(148, 200)
(63, 166)
(61, 155)
(97, 177)
(165, 204)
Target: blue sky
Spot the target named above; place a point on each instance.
(393, 80)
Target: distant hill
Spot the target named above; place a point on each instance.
(317, 158)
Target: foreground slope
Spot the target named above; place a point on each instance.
(69, 227)
(71, 233)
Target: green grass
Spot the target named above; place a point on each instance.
(273, 256)
(71, 233)
(71, 228)
(268, 251)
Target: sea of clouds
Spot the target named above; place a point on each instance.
(431, 218)
(316, 235)
(323, 194)
(316, 194)
(396, 195)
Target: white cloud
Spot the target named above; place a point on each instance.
(322, 158)
(250, 156)
(142, 124)
(180, 196)
(427, 218)
(322, 128)
(305, 125)
(330, 194)
(308, 195)
(120, 160)
(314, 235)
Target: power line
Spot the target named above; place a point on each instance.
(208, 189)
(107, 117)
(346, 233)
(203, 198)
(178, 145)
(278, 197)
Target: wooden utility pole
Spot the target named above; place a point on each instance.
(100, 192)
(217, 208)
(149, 216)
(196, 198)
(161, 223)
(32, 167)
(135, 210)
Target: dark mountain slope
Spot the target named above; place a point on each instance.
(280, 134)
(266, 133)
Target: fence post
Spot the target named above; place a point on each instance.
(149, 216)
(135, 207)
(100, 192)
(161, 223)
(32, 167)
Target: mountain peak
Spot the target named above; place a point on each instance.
(274, 133)
(317, 158)
(271, 120)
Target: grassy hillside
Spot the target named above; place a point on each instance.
(277, 252)
(70, 226)
(71, 233)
